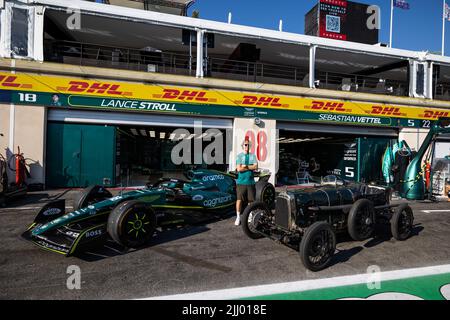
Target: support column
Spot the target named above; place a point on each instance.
(419, 79)
(312, 66)
(429, 91)
(5, 30)
(31, 40)
(38, 33)
(200, 36)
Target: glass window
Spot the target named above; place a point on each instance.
(420, 88)
(19, 32)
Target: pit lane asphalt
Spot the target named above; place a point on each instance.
(210, 256)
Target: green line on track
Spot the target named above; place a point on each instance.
(427, 287)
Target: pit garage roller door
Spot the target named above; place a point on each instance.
(124, 118)
(337, 129)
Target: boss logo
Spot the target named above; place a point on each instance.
(94, 233)
(52, 212)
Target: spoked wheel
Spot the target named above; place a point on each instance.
(317, 246)
(252, 216)
(402, 222)
(132, 224)
(361, 222)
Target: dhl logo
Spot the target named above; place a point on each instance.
(261, 101)
(328, 106)
(184, 95)
(95, 88)
(430, 114)
(10, 82)
(390, 111)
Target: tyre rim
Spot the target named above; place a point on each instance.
(322, 248)
(251, 219)
(405, 223)
(138, 225)
(364, 222)
(268, 196)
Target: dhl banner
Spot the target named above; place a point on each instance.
(55, 91)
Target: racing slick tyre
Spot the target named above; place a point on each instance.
(317, 246)
(265, 192)
(91, 195)
(361, 220)
(402, 222)
(252, 216)
(132, 224)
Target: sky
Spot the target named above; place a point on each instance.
(418, 29)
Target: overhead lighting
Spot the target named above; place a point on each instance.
(143, 132)
(134, 131)
(172, 136)
(162, 135)
(152, 134)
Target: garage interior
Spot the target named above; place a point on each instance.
(305, 157)
(143, 154)
(79, 155)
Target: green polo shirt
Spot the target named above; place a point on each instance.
(246, 177)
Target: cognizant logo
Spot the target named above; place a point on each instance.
(214, 202)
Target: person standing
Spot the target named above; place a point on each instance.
(246, 164)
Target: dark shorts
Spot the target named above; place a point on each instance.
(246, 192)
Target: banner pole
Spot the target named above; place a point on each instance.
(443, 27)
(392, 19)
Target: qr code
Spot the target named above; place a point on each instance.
(333, 24)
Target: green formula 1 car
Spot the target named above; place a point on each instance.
(132, 218)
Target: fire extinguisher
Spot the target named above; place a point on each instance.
(19, 167)
(427, 174)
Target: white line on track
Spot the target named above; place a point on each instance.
(434, 211)
(304, 285)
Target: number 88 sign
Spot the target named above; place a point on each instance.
(258, 142)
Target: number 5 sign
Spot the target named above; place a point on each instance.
(263, 138)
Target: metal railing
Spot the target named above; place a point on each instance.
(256, 72)
(177, 63)
(87, 54)
(358, 83)
(442, 91)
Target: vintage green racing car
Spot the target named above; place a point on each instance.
(132, 218)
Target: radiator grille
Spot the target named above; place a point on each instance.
(282, 212)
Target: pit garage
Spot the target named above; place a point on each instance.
(310, 151)
(129, 149)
